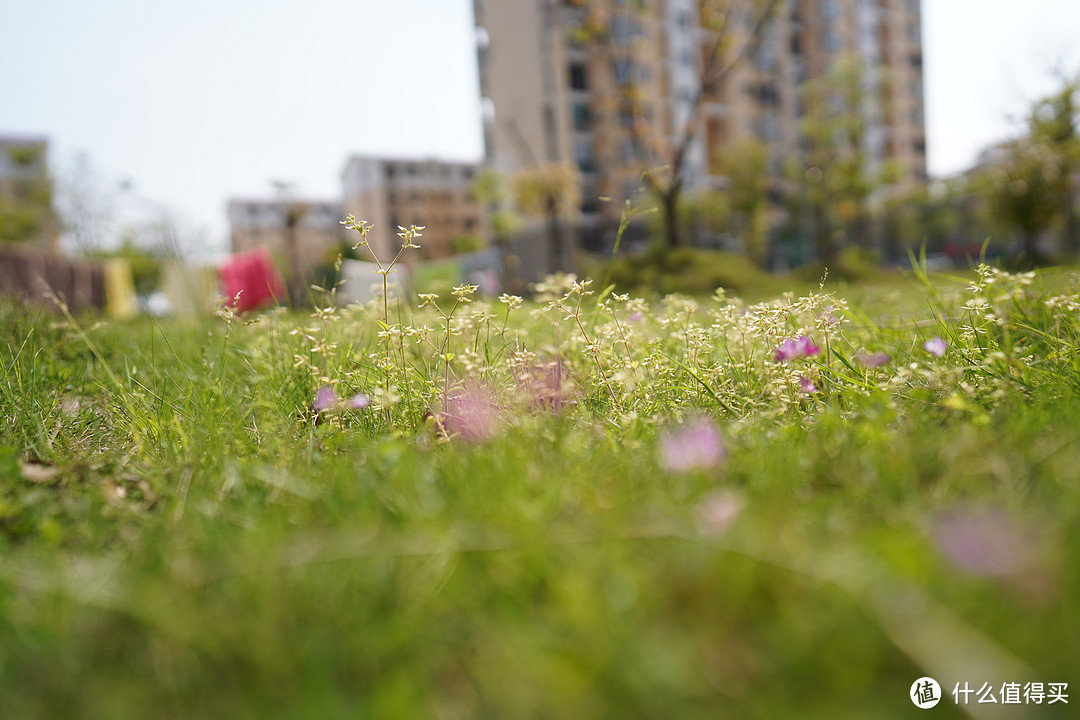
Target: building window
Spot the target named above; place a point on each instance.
(770, 129)
(830, 40)
(583, 153)
(621, 68)
(766, 58)
(768, 95)
(582, 119)
(623, 29)
(578, 77)
(919, 146)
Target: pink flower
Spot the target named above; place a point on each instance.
(325, 399)
(807, 385)
(987, 542)
(935, 346)
(636, 317)
(358, 401)
(796, 348)
(873, 360)
(718, 511)
(471, 414)
(695, 445)
(828, 317)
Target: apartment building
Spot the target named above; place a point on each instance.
(550, 94)
(435, 194)
(26, 198)
(553, 92)
(301, 234)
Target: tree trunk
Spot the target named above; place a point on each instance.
(556, 240)
(757, 234)
(295, 278)
(669, 202)
(824, 242)
(1032, 255)
(860, 227)
(1072, 241)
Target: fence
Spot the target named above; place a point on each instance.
(33, 275)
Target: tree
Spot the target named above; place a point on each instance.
(1055, 121)
(491, 189)
(145, 263)
(836, 175)
(746, 166)
(1024, 190)
(87, 206)
(26, 200)
(702, 215)
(552, 191)
(726, 46)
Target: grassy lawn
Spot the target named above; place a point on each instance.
(563, 509)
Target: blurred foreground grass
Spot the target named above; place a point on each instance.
(181, 535)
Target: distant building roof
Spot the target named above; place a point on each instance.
(15, 139)
(280, 202)
(429, 160)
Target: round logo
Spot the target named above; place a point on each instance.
(925, 693)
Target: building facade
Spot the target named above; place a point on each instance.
(301, 234)
(576, 81)
(432, 194)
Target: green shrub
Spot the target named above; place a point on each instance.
(689, 271)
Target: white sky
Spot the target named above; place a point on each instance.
(197, 101)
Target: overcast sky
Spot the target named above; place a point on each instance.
(198, 101)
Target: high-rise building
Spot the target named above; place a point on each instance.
(574, 80)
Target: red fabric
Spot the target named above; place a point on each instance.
(253, 275)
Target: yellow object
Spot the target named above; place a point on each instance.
(192, 291)
(119, 289)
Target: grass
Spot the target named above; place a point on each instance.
(502, 534)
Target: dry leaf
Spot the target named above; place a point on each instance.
(114, 493)
(38, 473)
